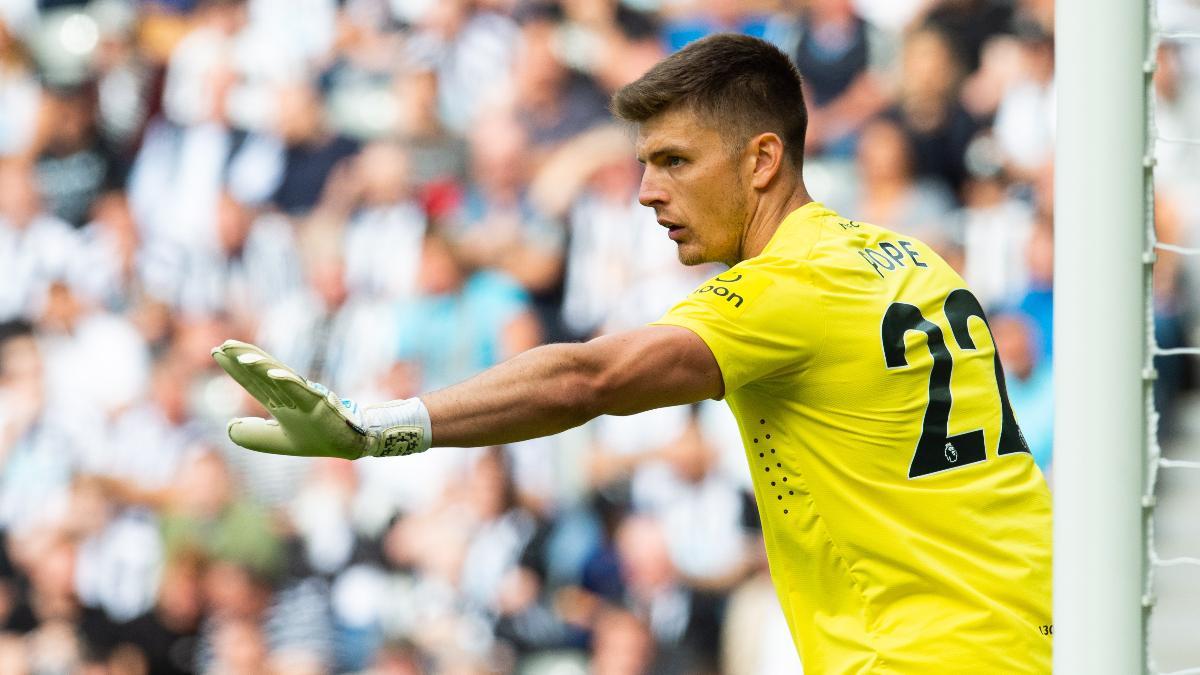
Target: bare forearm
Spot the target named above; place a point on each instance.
(538, 393)
(553, 388)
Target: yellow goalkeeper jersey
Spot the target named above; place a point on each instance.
(907, 527)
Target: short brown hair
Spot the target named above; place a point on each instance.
(742, 85)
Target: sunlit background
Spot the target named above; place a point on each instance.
(393, 195)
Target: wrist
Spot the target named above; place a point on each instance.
(400, 427)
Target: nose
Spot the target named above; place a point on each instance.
(649, 192)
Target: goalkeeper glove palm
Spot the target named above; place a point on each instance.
(312, 421)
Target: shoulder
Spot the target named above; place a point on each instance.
(744, 287)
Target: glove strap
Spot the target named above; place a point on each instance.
(398, 428)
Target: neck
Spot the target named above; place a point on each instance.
(766, 218)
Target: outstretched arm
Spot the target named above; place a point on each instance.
(556, 387)
(540, 392)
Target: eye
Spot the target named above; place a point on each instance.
(675, 161)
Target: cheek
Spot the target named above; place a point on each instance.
(709, 196)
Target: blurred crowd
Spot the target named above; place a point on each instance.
(391, 195)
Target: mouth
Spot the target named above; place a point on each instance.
(673, 231)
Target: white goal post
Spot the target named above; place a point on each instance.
(1101, 49)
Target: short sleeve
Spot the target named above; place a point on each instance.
(759, 323)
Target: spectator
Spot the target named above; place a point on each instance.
(166, 635)
(838, 54)
(383, 237)
(995, 229)
(552, 101)
(35, 455)
(76, 164)
(938, 126)
(311, 149)
(473, 48)
(972, 23)
(463, 320)
(320, 324)
(891, 191)
(36, 248)
(1025, 118)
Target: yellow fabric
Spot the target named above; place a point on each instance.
(877, 572)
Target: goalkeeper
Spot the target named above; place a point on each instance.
(906, 524)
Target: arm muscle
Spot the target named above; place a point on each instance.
(556, 387)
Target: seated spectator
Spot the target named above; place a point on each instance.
(384, 234)
(1177, 116)
(311, 148)
(36, 456)
(244, 266)
(682, 621)
(76, 164)
(611, 41)
(837, 57)
(929, 111)
(1024, 126)
(995, 228)
(891, 194)
(437, 157)
(473, 48)
(36, 248)
(166, 635)
(337, 337)
(1172, 319)
(621, 644)
(463, 320)
(497, 225)
(971, 23)
(81, 387)
(551, 100)
(110, 243)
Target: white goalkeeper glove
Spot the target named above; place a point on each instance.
(310, 420)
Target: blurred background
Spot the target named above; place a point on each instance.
(391, 195)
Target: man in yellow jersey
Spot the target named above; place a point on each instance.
(907, 527)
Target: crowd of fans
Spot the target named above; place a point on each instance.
(391, 195)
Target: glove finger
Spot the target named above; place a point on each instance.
(247, 379)
(255, 363)
(260, 364)
(295, 388)
(260, 435)
(235, 348)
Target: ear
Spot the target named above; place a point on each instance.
(766, 151)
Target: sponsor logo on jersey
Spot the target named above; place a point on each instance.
(720, 288)
(729, 292)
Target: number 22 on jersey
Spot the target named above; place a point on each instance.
(936, 450)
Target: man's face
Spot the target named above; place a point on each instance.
(694, 184)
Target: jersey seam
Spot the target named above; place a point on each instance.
(809, 279)
(842, 559)
(820, 292)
